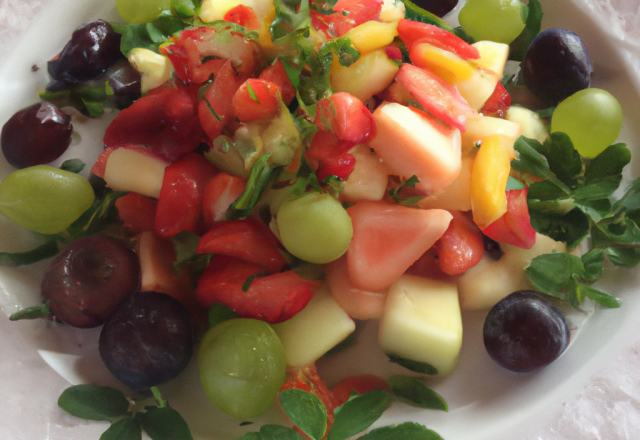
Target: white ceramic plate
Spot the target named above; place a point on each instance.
(485, 401)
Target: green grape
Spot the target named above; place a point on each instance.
(44, 199)
(242, 366)
(314, 227)
(592, 118)
(141, 11)
(495, 20)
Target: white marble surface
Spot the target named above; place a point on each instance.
(607, 407)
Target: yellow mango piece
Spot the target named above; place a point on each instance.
(371, 74)
(447, 65)
(372, 35)
(493, 56)
(489, 176)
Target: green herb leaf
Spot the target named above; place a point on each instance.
(72, 165)
(247, 282)
(358, 413)
(415, 366)
(93, 220)
(261, 178)
(305, 410)
(601, 298)
(93, 402)
(273, 432)
(414, 392)
(519, 46)
(570, 228)
(291, 15)
(416, 13)
(529, 160)
(252, 93)
(46, 250)
(125, 429)
(213, 112)
(624, 257)
(404, 431)
(406, 201)
(183, 8)
(34, 312)
(165, 424)
(218, 313)
(148, 35)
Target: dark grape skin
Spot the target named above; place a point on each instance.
(36, 135)
(87, 281)
(523, 332)
(439, 8)
(556, 65)
(92, 49)
(148, 340)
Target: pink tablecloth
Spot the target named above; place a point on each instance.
(607, 408)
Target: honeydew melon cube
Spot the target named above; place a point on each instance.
(478, 88)
(493, 56)
(130, 170)
(421, 321)
(372, 35)
(368, 180)
(313, 331)
(371, 74)
(481, 127)
(155, 69)
(482, 286)
(532, 126)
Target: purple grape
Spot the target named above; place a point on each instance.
(87, 281)
(92, 49)
(36, 135)
(556, 65)
(438, 8)
(148, 340)
(523, 332)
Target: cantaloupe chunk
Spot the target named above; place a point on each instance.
(415, 144)
(313, 331)
(358, 303)
(368, 180)
(387, 239)
(422, 322)
(131, 170)
(482, 286)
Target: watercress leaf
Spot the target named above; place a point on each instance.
(545, 190)
(593, 264)
(413, 391)
(219, 312)
(273, 432)
(46, 250)
(553, 273)
(570, 228)
(598, 190)
(183, 8)
(631, 199)
(608, 163)
(148, 35)
(624, 257)
(564, 161)
(601, 298)
(618, 230)
(124, 429)
(72, 165)
(404, 431)
(519, 46)
(529, 160)
(596, 209)
(358, 413)
(415, 366)
(93, 402)
(165, 424)
(305, 410)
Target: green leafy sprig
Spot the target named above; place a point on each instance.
(94, 402)
(572, 199)
(406, 201)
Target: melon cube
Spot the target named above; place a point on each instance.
(421, 321)
(136, 171)
(313, 331)
(368, 180)
(371, 74)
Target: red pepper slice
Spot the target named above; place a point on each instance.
(514, 227)
(244, 16)
(498, 103)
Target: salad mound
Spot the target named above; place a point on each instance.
(279, 171)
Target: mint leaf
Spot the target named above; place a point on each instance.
(148, 35)
(519, 46)
(125, 429)
(252, 93)
(219, 313)
(404, 431)
(415, 366)
(414, 392)
(165, 424)
(305, 410)
(93, 402)
(93, 220)
(358, 413)
(261, 178)
(34, 312)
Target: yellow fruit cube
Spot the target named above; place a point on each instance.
(372, 35)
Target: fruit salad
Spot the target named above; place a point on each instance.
(276, 174)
